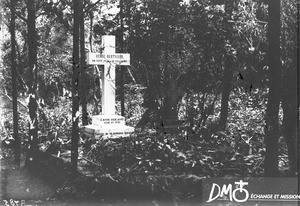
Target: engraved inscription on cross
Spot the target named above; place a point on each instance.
(109, 58)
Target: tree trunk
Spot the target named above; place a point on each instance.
(272, 124)
(173, 95)
(75, 95)
(32, 56)
(14, 85)
(122, 98)
(91, 31)
(228, 72)
(83, 68)
(226, 89)
(289, 105)
(151, 93)
(172, 92)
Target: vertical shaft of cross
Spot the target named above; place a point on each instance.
(108, 123)
(108, 77)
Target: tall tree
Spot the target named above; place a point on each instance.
(83, 67)
(228, 71)
(122, 71)
(32, 56)
(158, 44)
(289, 41)
(272, 124)
(75, 94)
(14, 83)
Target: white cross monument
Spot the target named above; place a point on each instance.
(108, 123)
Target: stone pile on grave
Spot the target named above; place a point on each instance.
(108, 123)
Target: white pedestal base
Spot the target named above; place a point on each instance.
(110, 126)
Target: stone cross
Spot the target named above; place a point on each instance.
(109, 58)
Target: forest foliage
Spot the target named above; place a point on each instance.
(178, 49)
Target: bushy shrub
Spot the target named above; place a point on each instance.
(150, 154)
(7, 138)
(55, 124)
(133, 103)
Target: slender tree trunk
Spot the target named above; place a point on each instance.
(91, 31)
(83, 68)
(226, 89)
(122, 70)
(173, 96)
(172, 92)
(32, 55)
(272, 124)
(75, 95)
(228, 72)
(14, 85)
(289, 105)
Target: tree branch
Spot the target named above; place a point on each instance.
(18, 15)
(10, 99)
(90, 7)
(131, 75)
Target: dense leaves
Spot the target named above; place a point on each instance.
(237, 151)
(178, 54)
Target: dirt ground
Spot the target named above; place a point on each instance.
(19, 187)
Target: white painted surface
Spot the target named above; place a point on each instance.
(102, 59)
(108, 124)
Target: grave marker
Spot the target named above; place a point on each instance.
(108, 123)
